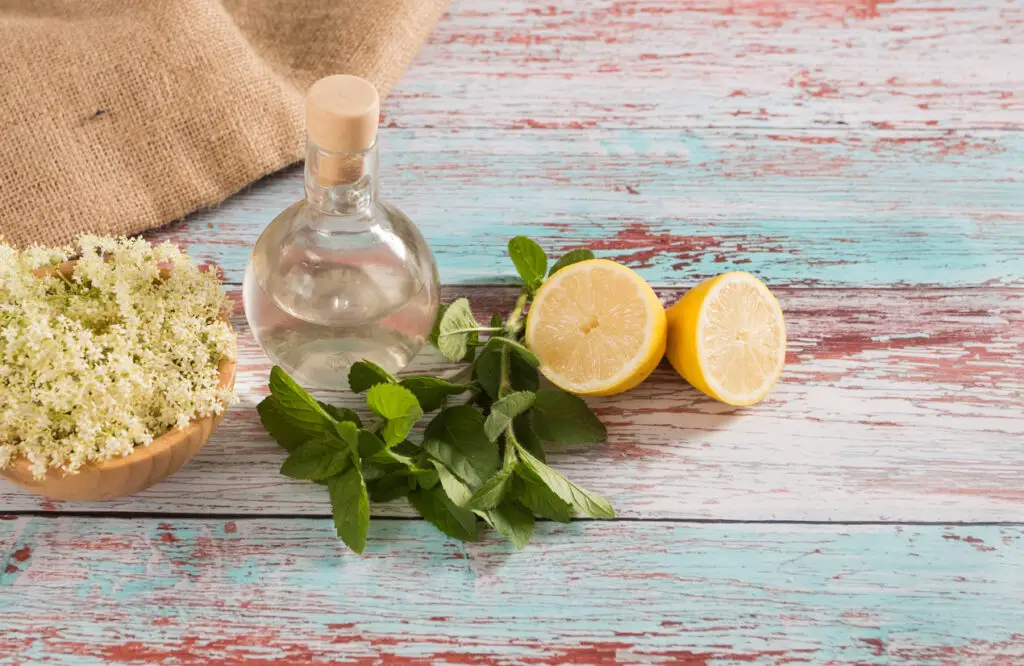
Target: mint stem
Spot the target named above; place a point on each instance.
(480, 329)
(511, 444)
(512, 326)
(505, 386)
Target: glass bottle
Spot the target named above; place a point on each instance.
(340, 276)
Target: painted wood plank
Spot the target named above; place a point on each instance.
(258, 591)
(809, 208)
(724, 63)
(895, 405)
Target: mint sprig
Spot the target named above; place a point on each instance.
(480, 457)
(530, 261)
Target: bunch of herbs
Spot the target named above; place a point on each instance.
(480, 457)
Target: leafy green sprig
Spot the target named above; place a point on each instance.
(479, 460)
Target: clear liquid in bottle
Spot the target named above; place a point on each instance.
(341, 276)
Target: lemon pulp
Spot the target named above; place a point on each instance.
(727, 337)
(597, 327)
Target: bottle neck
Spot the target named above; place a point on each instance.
(341, 183)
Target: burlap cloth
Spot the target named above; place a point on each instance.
(118, 116)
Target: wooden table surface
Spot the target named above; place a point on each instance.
(864, 157)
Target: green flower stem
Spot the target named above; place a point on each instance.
(63, 277)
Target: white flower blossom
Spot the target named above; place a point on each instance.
(110, 359)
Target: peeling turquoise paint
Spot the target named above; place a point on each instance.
(280, 589)
(795, 207)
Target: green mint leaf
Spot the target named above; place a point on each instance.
(522, 375)
(431, 392)
(369, 444)
(486, 517)
(400, 458)
(436, 330)
(471, 344)
(341, 414)
(523, 428)
(456, 438)
(544, 502)
(392, 458)
(504, 410)
(291, 416)
(481, 401)
(494, 489)
(497, 321)
(396, 404)
(288, 433)
(488, 372)
(457, 491)
(455, 329)
(302, 409)
(388, 488)
(365, 374)
(530, 261)
(374, 472)
(349, 433)
(514, 521)
(565, 419)
(425, 478)
(497, 341)
(571, 257)
(583, 501)
(407, 449)
(316, 460)
(439, 510)
(351, 507)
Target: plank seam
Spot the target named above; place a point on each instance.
(1014, 287)
(866, 129)
(158, 515)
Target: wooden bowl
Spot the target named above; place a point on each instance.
(127, 475)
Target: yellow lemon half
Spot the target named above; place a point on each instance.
(727, 337)
(597, 327)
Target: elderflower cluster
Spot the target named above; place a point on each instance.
(94, 365)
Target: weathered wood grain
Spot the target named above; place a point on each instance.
(719, 63)
(817, 143)
(895, 405)
(820, 208)
(246, 592)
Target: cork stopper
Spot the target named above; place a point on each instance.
(341, 113)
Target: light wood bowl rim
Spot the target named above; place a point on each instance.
(19, 468)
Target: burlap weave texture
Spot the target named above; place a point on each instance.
(118, 116)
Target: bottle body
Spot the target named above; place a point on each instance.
(338, 278)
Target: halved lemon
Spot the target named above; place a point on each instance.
(727, 337)
(597, 327)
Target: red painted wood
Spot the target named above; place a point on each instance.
(902, 405)
(895, 405)
(259, 592)
(577, 64)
